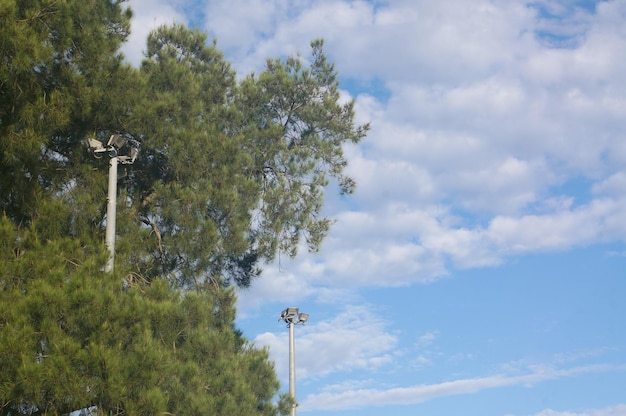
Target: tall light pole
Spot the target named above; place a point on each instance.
(292, 317)
(97, 148)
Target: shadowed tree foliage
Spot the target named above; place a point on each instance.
(57, 58)
(230, 173)
(233, 173)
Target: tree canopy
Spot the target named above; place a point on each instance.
(231, 172)
(72, 338)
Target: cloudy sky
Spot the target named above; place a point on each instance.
(480, 268)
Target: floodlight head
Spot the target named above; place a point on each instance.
(303, 317)
(117, 141)
(95, 147)
(127, 159)
(133, 154)
(94, 144)
(289, 315)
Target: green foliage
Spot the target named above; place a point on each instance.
(72, 337)
(296, 131)
(54, 56)
(193, 193)
(234, 173)
(230, 173)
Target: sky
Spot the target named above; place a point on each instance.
(480, 266)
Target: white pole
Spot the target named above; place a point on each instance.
(111, 203)
(292, 368)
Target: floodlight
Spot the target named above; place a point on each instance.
(133, 154)
(130, 159)
(292, 317)
(289, 314)
(117, 141)
(94, 144)
(97, 148)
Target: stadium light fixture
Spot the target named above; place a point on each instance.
(115, 143)
(293, 317)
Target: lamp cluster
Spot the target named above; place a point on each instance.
(97, 149)
(292, 316)
(115, 143)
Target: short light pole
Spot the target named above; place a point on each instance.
(97, 148)
(292, 317)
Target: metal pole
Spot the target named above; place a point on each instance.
(292, 367)
(111, 203)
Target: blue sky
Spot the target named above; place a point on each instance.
(479, 269)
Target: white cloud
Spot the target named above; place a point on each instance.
(619, 410)
(353, 339)
(596, 222)
(279, 285)
(148, 15)
(240, 25)
(399, 245)
(365, 397)
(614, 185)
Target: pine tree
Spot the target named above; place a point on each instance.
(72, 337)
(230, 173)
(233, 173)
(55, 56)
